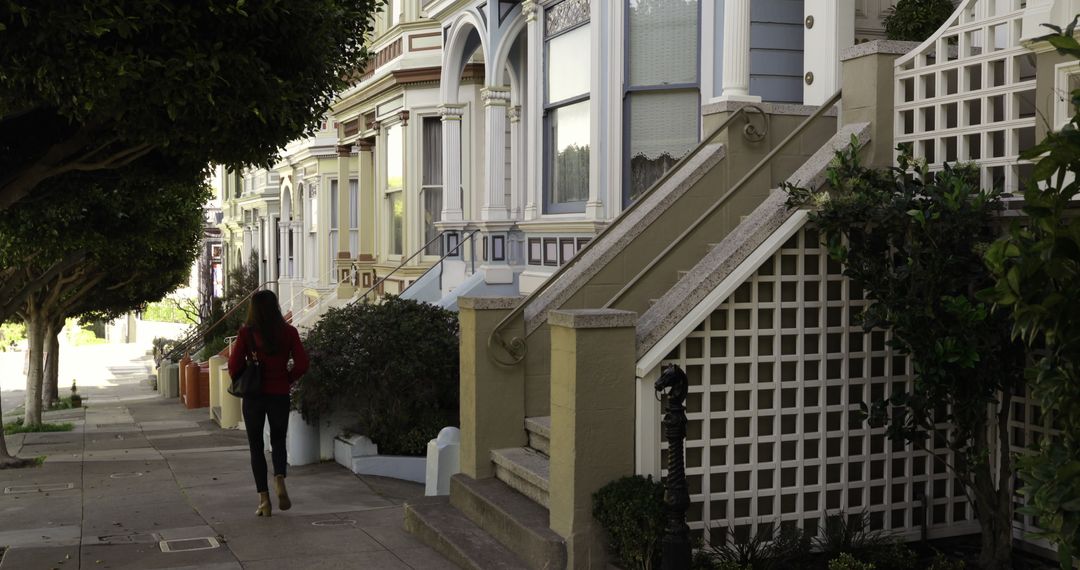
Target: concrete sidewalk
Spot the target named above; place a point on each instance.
(143, 483)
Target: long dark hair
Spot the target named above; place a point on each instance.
(264, 316)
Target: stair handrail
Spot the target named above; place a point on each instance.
(422, 249)
(442, 258)
(192, 338)
(517, 347)
(720, 201)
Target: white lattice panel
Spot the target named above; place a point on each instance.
(968, 94)
(777, 373)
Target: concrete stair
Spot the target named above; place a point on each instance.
(539, 430)
(525, 470)
(513, 519)
(446, 529)
(500, 522)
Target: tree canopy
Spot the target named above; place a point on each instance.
(99, 242)
(97, 84)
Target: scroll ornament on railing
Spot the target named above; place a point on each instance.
(676, 545)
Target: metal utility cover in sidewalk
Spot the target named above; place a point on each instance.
(188, 544)
(48, 487)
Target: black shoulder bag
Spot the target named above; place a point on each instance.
(249, 383)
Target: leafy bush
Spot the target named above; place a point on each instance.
(392, 367)
(848, 562)
(893, 556)
(916, 20)
(631, 510)
(913, 241)
(940, 562)
(849, 533)
(1037, 268)
(769, 548)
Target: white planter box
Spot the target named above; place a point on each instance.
(361, 456)
(396, 466)
(302, 441)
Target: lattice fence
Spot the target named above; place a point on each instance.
(968, 94)
(777, 374)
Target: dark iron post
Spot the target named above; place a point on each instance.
(676, 546)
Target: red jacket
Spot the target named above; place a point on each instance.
(276, 376)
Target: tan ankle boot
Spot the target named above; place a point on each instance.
(282, 494)
(264, 505)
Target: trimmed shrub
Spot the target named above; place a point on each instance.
(631, 510)
(848, 562)
(392, 367)
(916, 20)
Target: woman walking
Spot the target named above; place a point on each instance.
(266, 337)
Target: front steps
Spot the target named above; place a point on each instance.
(499, 522)
(525, 470)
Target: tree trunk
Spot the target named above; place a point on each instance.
(52, 365)
(995, 550)
(35, 334)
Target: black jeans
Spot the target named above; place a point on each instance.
(256, 411)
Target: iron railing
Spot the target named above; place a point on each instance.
(453, 251)
(517, 347)
(199, 335)
(720, 201)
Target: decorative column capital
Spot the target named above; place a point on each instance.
(495, 96)
(514, 113)
(344, 150)
(364, 145)
(451, 112)
(531, 10)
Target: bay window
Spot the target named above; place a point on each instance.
(395, 181)
(431, 181)
(566, 109)
(662, 111)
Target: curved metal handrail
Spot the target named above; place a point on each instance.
(517, 347)
(192, 338)
(442, 258)
(720, 201)
(423, 248)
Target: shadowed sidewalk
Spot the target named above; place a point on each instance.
(143, 483)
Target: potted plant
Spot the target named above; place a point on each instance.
(76, 399)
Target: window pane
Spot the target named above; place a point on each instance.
(354, 204)
(396, 226)
(432, 214)
(432, 149)
(570, 165)
(395, 162)
(568, 65)
(663, 129)
(313, 219)
(663, 42)
(333, 204)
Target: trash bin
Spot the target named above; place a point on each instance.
(230, 405)
(169, 381)
(215, 388)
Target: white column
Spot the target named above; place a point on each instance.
(496, 100)
(534, 154)
(283, 249)
(600, 145)
(260, 238)
(516, 186)
(451, 136)
(736, 86)
(829, 27)
(344, 167)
